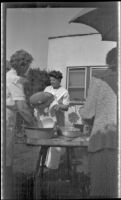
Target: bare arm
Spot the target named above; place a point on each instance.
(25, 112)
(64, 105)
(61, 107)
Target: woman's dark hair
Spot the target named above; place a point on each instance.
(112, 59)
(56, 74)
(21, 61)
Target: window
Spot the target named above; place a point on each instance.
(76, 83)
(78, 79)
(97, 71)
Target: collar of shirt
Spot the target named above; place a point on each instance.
(13, 71)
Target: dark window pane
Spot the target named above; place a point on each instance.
(76, 94)
(77, 78)
(97, 72)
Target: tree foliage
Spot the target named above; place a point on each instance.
(37, 81)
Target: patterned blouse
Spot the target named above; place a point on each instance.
(101, 104)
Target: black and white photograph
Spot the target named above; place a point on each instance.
(60, 100)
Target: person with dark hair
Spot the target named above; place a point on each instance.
(112, 59)
(56, 110)
(16, 102)
(56, 74)
(101, 105)
(61, 97)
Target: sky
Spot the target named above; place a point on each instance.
(30, 28)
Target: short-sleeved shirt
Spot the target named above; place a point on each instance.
(61, 94)
(14, 88)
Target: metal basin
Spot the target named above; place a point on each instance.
(70, 132)
(39, 133)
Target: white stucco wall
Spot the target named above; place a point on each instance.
(76, 51)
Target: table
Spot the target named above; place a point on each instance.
(58, 141)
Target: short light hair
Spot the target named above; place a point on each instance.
(21, 61)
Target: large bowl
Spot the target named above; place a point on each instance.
(41, 98)
(70, 132)
(39, 133)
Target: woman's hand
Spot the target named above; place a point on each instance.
(53, 110)
(57, 107)
(80, 110)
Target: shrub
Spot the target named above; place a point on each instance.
(37, 81)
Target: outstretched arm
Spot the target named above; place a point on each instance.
(25, 112)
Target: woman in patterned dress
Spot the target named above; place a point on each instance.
(101, 104)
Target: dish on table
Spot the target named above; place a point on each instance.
(70, 132)
(39, 133)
